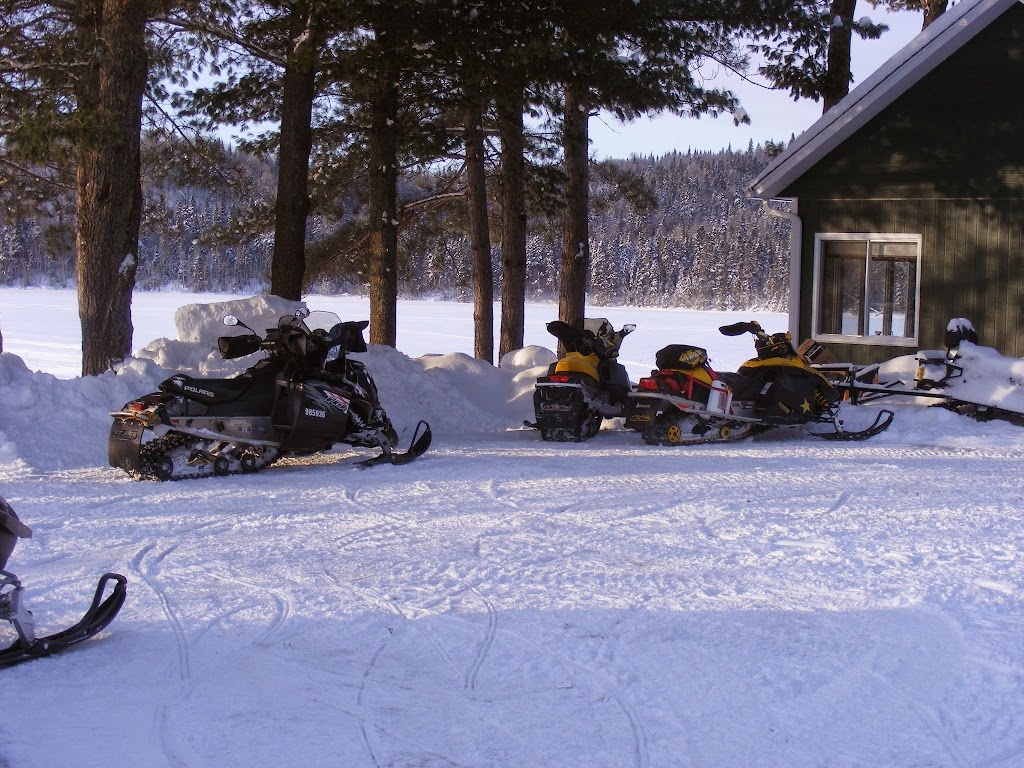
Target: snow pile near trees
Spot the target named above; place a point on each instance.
(454, 392)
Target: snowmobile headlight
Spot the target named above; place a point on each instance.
(333, 353)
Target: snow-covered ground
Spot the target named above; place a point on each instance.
(502, 601)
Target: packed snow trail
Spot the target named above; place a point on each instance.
(508, 602)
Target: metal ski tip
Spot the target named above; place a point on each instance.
(421, 439)
(879, 425)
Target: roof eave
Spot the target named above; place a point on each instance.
(909, 65)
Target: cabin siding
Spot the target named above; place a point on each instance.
(944, 161)
(971, 265)
(955, 134)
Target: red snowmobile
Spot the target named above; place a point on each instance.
(686, 401)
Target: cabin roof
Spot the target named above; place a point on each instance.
(940, 40)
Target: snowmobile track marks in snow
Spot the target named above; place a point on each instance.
(485, 644)
(148, 575)
(282, 607)
(148, 568)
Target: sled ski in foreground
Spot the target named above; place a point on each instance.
(960, 379)
(686, 401)
(586, 386)
(12, 606)
(304, 397)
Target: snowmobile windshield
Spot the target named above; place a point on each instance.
(304, 339)
(314, 321)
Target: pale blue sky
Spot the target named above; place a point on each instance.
(774, 115)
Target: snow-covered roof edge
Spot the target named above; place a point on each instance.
(940, 40)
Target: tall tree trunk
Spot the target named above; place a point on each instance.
(383, 201)
(483, 273)
(513, 221)
(288, 264)
(840, 37)
(572, 288)
(111, 40)
(932, 10)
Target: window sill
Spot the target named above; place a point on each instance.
(871, 341)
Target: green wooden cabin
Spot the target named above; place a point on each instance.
(907, 197)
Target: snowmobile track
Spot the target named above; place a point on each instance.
(485, 644)
(148, 575)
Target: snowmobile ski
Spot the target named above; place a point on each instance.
(12, 605)
(420, 442)
(100, 613)
(881, 423)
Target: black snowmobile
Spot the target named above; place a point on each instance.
(686, 401)
(303, 398)
(586, 386)
(12, 605)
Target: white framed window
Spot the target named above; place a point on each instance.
(866, 288)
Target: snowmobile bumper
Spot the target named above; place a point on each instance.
(563, 411)
(641, 409)
(125, 444)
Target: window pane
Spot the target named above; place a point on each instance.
(841, 298)
(892, 289)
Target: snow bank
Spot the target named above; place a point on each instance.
(48, 423)
(204, 323)
(455, 393)
(527, 357)
(985, 376)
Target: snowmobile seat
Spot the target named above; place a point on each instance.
(616, 380)
(745, 386)
(207, 391)
(575, 362)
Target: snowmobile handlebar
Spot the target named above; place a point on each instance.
(738, 329)
(577, 338)
(233, 347)
(312, 341)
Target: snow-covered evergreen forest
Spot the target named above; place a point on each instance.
(696, 243)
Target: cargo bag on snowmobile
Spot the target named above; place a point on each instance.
(796, 394)
(681, 357)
